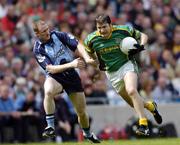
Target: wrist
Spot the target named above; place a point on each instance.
(70, 65)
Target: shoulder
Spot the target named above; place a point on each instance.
(62, 35)
(127, 28)
(122, 27)
(37, 45)
(56, 32)
(91, 37)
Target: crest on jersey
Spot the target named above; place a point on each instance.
(71, 36)
(118, 40)
(40, 58)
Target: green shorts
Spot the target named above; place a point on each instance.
(116, 78)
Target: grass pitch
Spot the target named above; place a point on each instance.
(165, 141)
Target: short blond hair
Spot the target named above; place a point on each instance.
(37, 25)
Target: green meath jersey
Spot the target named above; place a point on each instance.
(108, 51)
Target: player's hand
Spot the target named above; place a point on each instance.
(78, 63)
(96, 76)
(92, 62)
(132, 52)
(50, 69)
(139, 47)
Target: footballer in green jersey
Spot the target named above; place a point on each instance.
(104, 44)
(108, 50)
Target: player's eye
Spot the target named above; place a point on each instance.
(44, 31)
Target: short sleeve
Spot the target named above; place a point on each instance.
(88, 45)
(68, 39)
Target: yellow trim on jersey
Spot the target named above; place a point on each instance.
(116, 28)
(96, 33)
(91, 37)
(89, 50)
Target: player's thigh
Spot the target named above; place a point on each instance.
(79, 101)
(118, 84)
(130, 81)
(52, 87)
(123, 93)
(117, 78)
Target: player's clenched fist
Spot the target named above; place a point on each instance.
(78, 63)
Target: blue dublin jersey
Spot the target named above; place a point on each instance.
(56, 51)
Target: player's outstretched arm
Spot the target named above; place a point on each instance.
(140, 47)
(77, 63)
(88, 58)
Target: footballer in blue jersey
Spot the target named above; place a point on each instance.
(57, 51)
(54, 51)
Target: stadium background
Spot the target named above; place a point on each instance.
(21, 79)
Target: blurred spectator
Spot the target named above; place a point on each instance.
(17, 66)
(32, 120)
(161, 92)
(95, 91)
(3, 8)
(168, 62)
(146, 90)
(20, 90)
(9, 20)
(66, 121)
(176, 82)
(176, 42)
(9, 117)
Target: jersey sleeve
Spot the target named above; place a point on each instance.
(68, 39)
(88, 45)
(134, 32)
(42, 60)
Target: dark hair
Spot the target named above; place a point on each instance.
(102, 18)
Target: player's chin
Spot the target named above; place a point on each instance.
(104, 35)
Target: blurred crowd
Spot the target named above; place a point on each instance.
(21, 79)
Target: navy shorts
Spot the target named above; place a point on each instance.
(70, 81)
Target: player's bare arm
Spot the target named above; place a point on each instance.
(140, 47)
(143, 39)
(88, 59)
(77, 63)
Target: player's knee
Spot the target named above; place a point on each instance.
(81, 112)
(49, 93)
(131, 91)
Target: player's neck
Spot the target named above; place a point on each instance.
(45, 41)
(108, 36)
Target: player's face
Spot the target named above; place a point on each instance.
(104, 29)
(43, 33)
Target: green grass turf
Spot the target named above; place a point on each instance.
(167, 141)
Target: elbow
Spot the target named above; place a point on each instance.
(146, 38)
